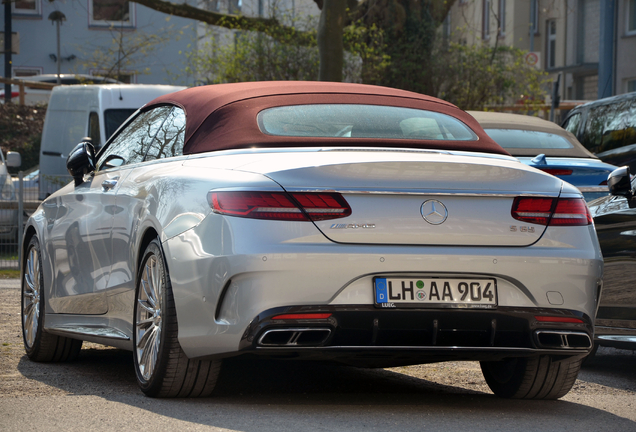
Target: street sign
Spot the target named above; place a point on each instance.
(15, 43)
(533, 59)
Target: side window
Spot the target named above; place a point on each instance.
(630, 123)
(169, 140)
(592, 137)
(573, 123)
(131, 144)
(93, 129)
(617, 131)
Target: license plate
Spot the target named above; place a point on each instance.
(435, 292)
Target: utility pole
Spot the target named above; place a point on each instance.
(7, 49)
(532, 25)
(58, 17)
(606, 49)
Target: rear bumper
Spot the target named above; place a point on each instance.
(367, 336)
(220, 287)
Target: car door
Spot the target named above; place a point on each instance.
(615, 224)
(136, 197)
(81, 236)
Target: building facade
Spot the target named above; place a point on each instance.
(564, 37)
(118, 38)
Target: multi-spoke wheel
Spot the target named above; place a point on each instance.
(162, 368)
(40, 345)
(148, 317)
(531, 377)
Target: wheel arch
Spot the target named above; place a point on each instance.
(28, 235)
(149, 235)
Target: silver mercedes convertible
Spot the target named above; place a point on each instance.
(340, 222)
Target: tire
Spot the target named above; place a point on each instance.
(161, 366)
(40, 346)
(531, 377)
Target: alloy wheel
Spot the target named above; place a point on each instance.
(31, 296)
(148, 320)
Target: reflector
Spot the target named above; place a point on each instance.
(559, 319)
(302, 316)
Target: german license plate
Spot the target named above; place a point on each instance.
(435, 292)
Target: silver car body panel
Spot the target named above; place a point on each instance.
(226, 270)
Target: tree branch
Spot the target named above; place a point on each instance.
(269, 26)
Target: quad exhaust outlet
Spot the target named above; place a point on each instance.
(310, 336)
(563, 339)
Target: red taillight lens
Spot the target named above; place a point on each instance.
(311, 316)
(561, 212)
(557, 171)
(559, 319)
(571, 212)
(280, 205)
(322, 206)
(533, 210)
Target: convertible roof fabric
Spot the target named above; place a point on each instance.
(223, 116)
(492, 120)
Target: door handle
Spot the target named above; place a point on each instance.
(109, 184)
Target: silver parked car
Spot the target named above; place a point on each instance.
(359, 224)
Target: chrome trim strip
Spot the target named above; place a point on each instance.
(617, 338)
(424, 192)
(106, 332)
(593, 188)
(431, 348)
(418, 192)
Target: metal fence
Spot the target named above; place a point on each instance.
(16, 205)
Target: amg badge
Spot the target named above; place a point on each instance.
(352, 226)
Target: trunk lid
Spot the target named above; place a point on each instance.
(415, 197)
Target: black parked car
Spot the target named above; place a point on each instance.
(615, 219)
(607, 128)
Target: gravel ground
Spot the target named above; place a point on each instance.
(606, 383)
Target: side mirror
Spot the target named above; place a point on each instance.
(619, 182)
(81, 161)
(13, 159)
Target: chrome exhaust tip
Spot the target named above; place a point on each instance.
(291, 337)
(563, 339)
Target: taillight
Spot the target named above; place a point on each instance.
(571, 212)
(557, 171)
(533, 210)
(280, 205)
(553, 211)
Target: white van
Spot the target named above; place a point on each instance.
(34, 96)
(79, 111)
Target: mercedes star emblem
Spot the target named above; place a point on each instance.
(434, 212)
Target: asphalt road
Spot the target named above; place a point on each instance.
(99, 392)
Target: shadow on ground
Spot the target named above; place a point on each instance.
(256, 395)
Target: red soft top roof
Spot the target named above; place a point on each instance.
(223, 116)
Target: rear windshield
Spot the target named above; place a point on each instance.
(113, 118)
(515, 138)
(362, 121)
